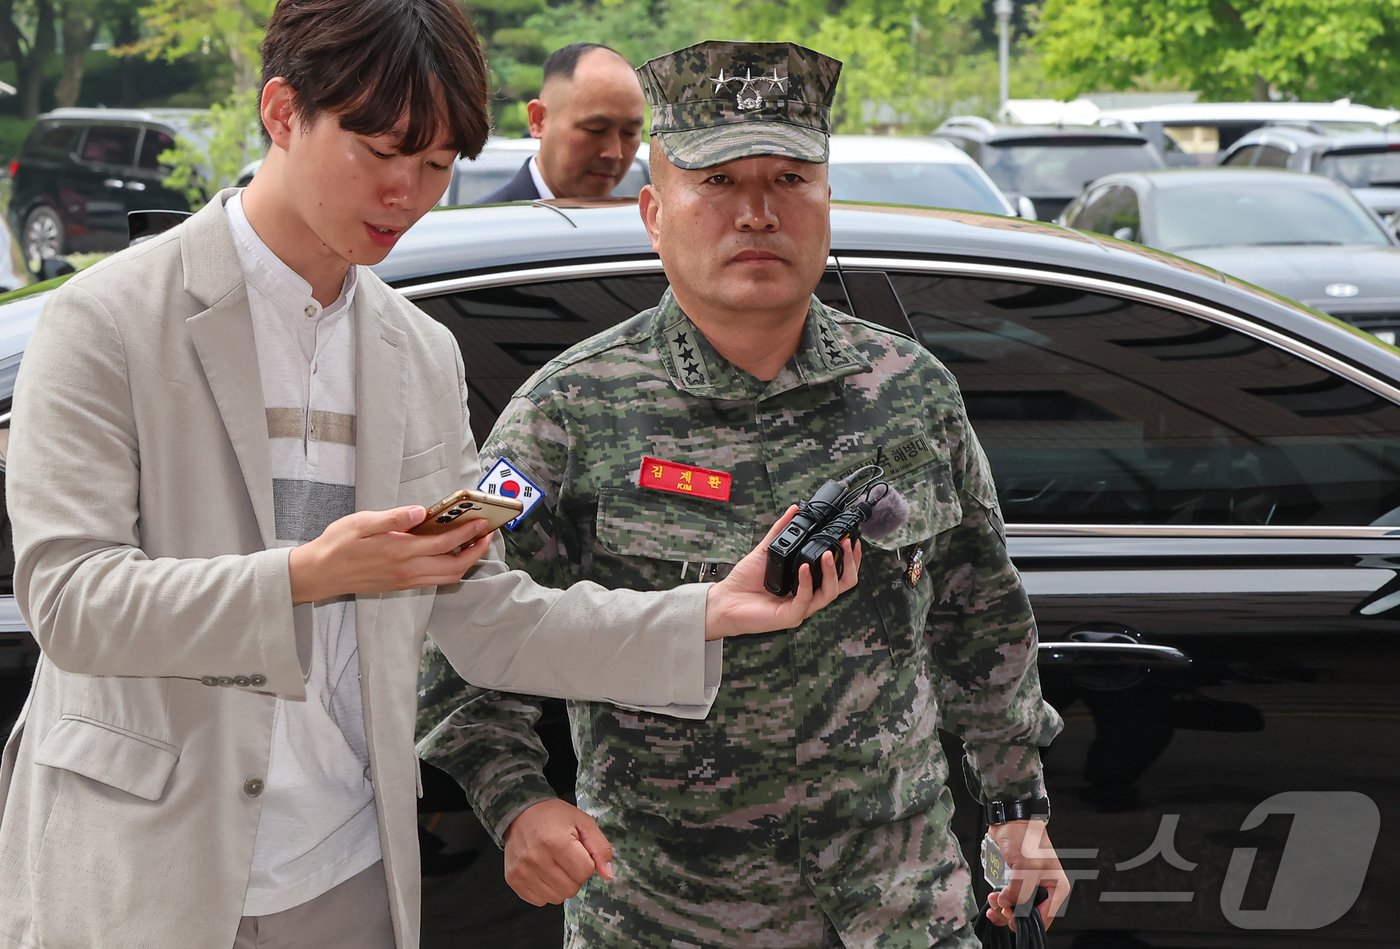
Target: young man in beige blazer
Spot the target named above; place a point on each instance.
(220, 438)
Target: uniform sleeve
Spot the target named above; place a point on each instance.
(984, 637)
(486, 740)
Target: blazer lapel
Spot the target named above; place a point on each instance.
(379, 432)
(223, 338)
(379, 401)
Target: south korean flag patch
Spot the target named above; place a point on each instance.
(505, 480)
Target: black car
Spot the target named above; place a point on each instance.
(80, 171)
(1304, 236)
(1201, 483)
(1366, 162)
(1049, 164)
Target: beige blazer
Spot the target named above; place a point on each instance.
(141, 499)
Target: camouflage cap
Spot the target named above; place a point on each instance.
(717, 101)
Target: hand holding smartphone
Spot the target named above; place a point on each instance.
(468, 504)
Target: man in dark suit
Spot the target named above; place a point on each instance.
(588, 118)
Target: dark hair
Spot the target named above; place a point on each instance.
(369, 61)
(564, 60)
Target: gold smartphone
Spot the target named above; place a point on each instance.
(467, 504)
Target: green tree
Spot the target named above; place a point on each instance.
(175, 29)
(1227, 49)
(28, 50)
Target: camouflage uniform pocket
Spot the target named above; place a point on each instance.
(656, 533)
(895, 565)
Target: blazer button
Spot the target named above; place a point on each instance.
(257, 680)
(242, 681)
(253, 787)
(209, 680)
(225, 680)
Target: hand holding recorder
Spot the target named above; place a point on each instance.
(410, 547)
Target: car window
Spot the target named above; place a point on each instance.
(1363, 168)
(1244, 156)
(1061, 166)
(930, 184)
(507, 332)
(153, 143)
(1092, 214)
(1271, 157)
(56, 139)
(1100, 410)
(110, 144)
(1259, 214)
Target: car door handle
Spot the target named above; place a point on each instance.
(1068, 653)
(113, 183)
(136, 186)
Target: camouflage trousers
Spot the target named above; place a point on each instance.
(902, 885)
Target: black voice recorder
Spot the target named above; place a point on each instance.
(821, 523)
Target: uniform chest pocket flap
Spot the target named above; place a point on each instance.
(110, 755)
(659, 526)
(933, 508)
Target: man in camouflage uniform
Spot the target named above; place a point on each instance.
(810, 807)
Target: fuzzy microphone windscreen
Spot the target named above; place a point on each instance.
(888, 515)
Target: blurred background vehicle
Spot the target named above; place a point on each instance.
(1048, 164)
(80, 171)
(882, 169)
(1366, 162)
(1193, 133)
(1303, 236)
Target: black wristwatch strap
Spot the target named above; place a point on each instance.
(1001, 811)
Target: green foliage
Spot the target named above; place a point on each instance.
(1228, 49)
(225, 139)
(175, 29)
(12, 132)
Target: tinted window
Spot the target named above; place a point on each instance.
(1100, 410)
(1357, 168)
(153, 143)
(1245, 156)
(1109, 210)
(1271, 157)
(1061, 166)
(55, 138)
(110, 144)
(507, 332)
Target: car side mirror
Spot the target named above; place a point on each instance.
(1125, 234)
(1025, 207)
(51, 267)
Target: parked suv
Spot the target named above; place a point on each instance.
(1049, 164)
(1366, 162)
(81, 170)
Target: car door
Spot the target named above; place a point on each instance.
(1204, 514)
(99, 181)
